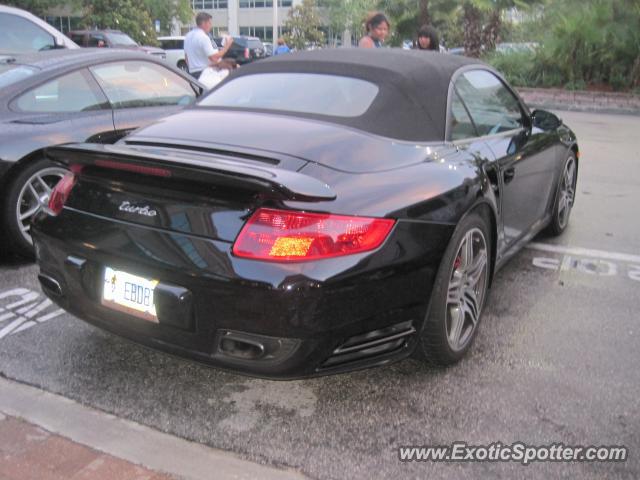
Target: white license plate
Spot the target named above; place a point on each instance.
(129, 294)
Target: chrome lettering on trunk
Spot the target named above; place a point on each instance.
(146, 211)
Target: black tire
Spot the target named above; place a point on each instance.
(20, 200)
(565, 196)
(182, 65)
(437, 343)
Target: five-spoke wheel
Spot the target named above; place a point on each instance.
(27, 196)
(459, 293)
(565, 196)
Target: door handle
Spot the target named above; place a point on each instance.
(509, 173)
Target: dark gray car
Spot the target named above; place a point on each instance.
(79, 95)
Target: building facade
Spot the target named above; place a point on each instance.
(245, 17)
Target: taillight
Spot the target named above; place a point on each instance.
(60, 193)
(246, 53)
(290, 236)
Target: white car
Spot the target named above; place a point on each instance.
(22, 32)
(174, 46)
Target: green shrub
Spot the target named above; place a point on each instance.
(582, 43)
(591, 42)
(517, 67)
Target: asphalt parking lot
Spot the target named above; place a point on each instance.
(556, 359)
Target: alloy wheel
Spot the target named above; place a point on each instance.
(34, 197)
(567, 193)
(467, 289)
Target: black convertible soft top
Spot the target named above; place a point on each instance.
(412, 101)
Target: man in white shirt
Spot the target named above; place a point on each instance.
(198, 50)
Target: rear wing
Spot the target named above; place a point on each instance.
(271, 181)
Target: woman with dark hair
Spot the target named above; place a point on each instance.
(428, 39)
(377, 27)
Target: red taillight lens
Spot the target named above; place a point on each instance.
(61, 192)
(246, 53)
(288, 236)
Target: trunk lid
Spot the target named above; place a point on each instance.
(195, 193)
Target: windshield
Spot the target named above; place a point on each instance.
(18, 35)
(10, 74)
(121, 40)
(312, 93)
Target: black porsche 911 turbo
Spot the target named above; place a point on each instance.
(314, 213)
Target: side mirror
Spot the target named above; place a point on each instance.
(58, 42)
(545, 120)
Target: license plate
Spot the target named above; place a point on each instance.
(129, 294)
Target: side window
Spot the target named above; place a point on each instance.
(18, 35)
(97, 40)
(136, 84)
(461, 125)
(78, 38)
(74, 92)
(493, 108)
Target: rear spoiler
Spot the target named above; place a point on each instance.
(274, 182)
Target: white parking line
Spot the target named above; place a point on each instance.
(585, 252)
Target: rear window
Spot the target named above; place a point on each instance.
(255, 43)
(120, 40)
(172, 44)
(311, 93)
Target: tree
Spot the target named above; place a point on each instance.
(126, 15)
(472, 26)
(347, 15)
(37, 7)
(407, 16)
(167, 10)
(303, 24)
(424, 18)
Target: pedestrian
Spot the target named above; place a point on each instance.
(199, 52)
(282, 47)
(428, 39)
(377, 27)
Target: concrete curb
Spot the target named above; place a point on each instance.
(129, 440)
(581, 101)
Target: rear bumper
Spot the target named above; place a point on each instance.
(257, 318)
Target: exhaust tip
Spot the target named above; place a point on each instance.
(50, 285)
(242, 348)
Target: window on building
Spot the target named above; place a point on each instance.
(264, 3)
(209, 4)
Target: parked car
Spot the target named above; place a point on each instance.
(340, 215)
(78, 95)
(268, 48)
(244, 49)
(112, 39)
(174, 48)
(456, 51)
(509, 47)
(22, 32)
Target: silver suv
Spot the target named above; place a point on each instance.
(21, 32)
